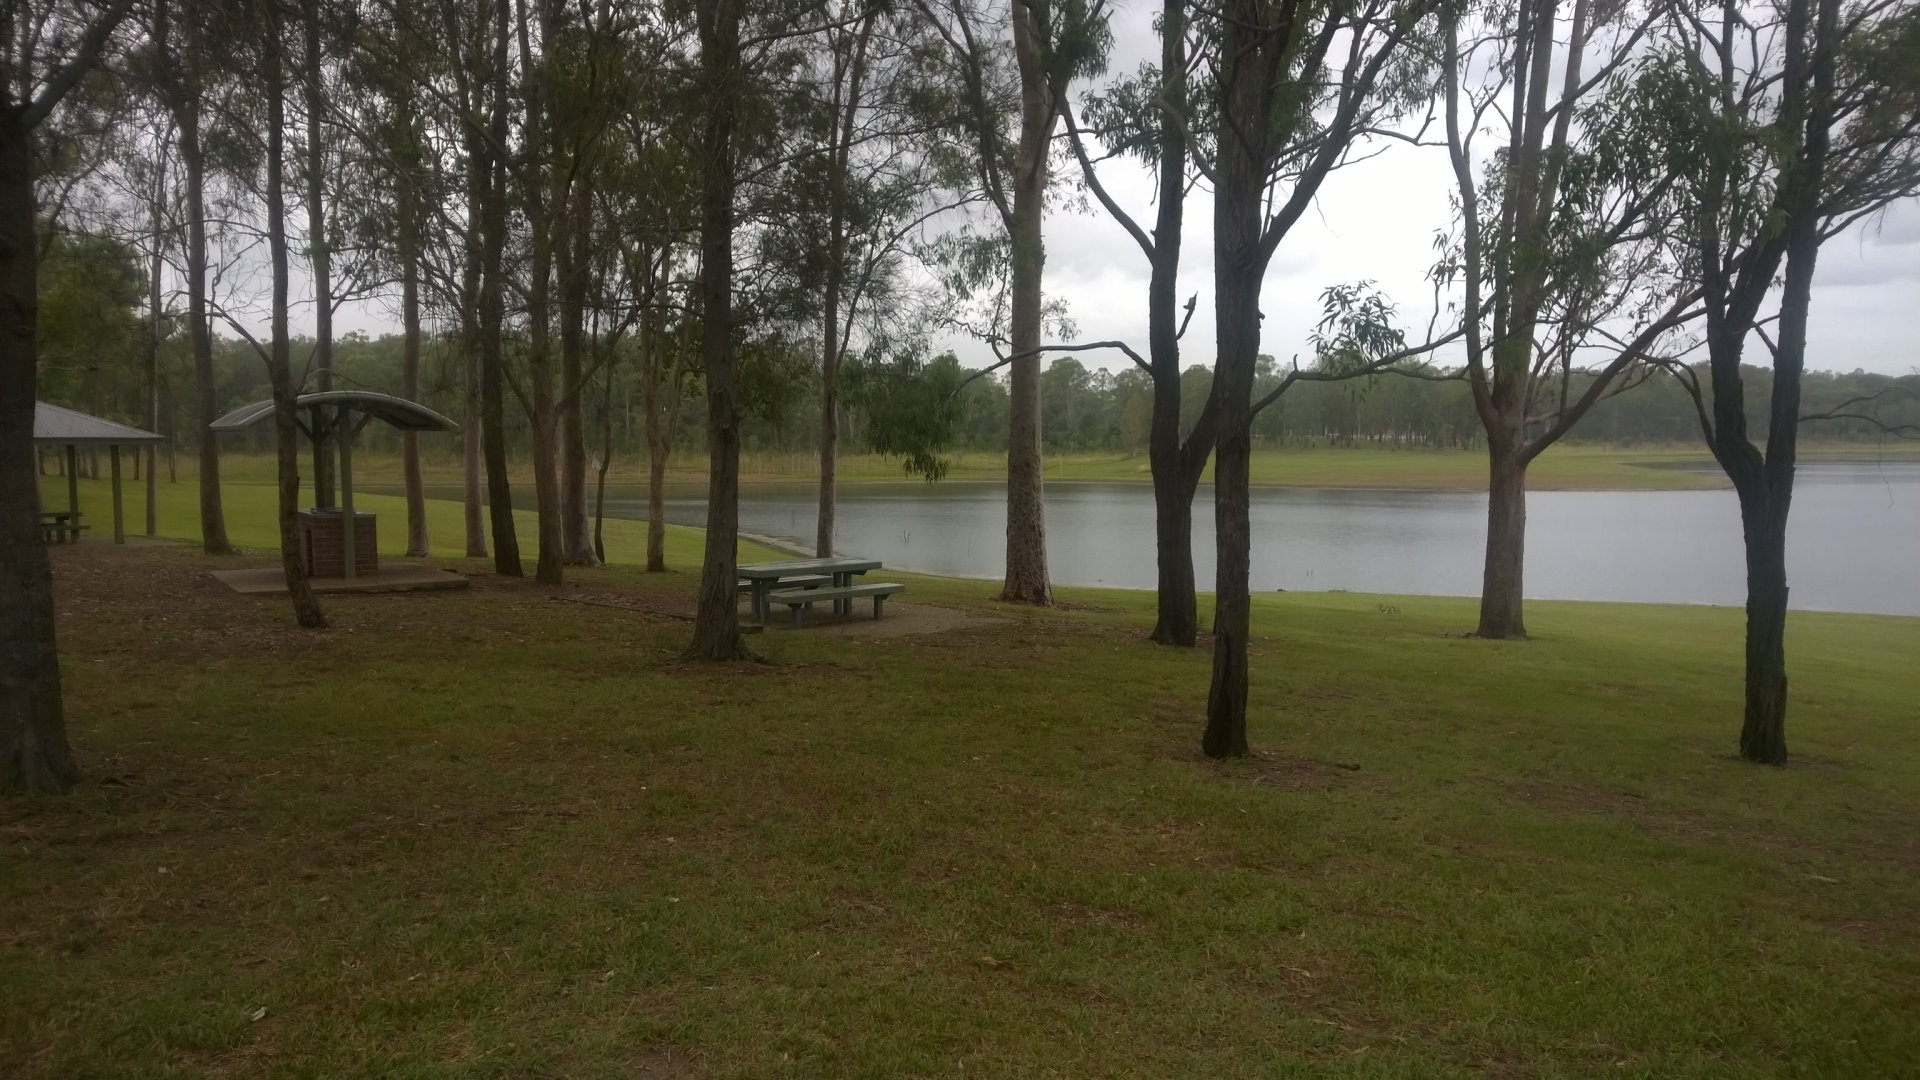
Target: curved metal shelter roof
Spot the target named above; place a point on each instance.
(399, 412)
(65, 427)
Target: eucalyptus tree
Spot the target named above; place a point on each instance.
(649, 197)
(746, 86)
(716, 627)
(1151, 117)
(592, 70)
(1561, 264)
(45, 50)
(489, 151)
(859, 199)
(1054, 42)
(314, 161)
(185, 85)
(1784, 127)
(272, 31)
(386, 194)
(1298, 86)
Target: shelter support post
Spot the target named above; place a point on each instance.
(349, 525)
(119, 518)
(73, 478)
(318, 433)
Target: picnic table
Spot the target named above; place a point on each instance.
(763, 578)
(60, 526)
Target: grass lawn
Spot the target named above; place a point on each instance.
(249, 504)
(487, 834)
(1564, 467)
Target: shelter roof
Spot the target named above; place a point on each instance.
(63, 427)
(399, 412)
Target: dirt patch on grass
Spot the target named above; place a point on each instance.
(1273, 768)
(664, 1063)
(898, 620)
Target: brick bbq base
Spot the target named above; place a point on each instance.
(322, 550)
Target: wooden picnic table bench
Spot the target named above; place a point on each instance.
(798, 581)
(61, 526)
(764, 577)
(797, 600)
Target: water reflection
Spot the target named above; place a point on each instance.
(1853, 543)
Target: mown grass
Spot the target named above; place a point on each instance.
(249, 504)
(1563, 467)
(488, 834)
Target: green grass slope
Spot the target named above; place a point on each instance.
(485, 834)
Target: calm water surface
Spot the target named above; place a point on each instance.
(1853, 542)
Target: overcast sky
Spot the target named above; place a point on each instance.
(1377, 220)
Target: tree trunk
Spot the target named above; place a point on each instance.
(829, 443)
(543, 206)
(1237, 300)
(1177, 619)
(34, 754)
(410, 368)
(213, 525)
(473, 505)
(606, 462)
(659, 445)
(1764, 505)
(575, 262)
(286, 426)
(849, 76)
(1239, 266)
(155, 324)
(320, 251)
(1763, 734)
(1026, 580)
(1176, 466)
(716, 627)
(1500, 586)
(493, 240)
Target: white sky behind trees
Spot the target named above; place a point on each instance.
(1375, 220)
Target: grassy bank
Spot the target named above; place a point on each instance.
(249, 503)
(1561, 468)
(487, 834)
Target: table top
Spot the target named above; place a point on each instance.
(835, 565)
(59, 515)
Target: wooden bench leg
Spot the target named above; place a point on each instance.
(796, 614)
(877, 601)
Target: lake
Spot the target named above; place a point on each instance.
(1853, 542)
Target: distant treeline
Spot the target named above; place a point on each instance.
(1085, 409)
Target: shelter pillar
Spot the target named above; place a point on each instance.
(119, 519)
(343, 422)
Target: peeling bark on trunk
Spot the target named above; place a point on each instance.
(716, 627)
(34, 754)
